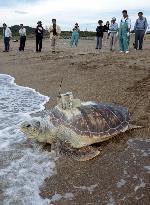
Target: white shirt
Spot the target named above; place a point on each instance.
(113, 28)
(22, 32)
(7, 32)
(127, 20)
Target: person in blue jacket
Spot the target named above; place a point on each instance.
(75, 36)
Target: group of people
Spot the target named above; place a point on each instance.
(122, 32)
(54, 31)
(110, 31)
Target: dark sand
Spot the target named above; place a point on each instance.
(121, 173)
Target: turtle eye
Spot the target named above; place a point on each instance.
(28, 126)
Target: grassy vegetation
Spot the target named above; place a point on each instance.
(31, 32)
(64, 34)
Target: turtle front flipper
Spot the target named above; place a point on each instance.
(79, 154)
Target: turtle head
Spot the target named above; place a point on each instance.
(39, 129)
(31, 128)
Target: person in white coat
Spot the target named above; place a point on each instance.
(7, 35)
(22, 33)
(113, 29)
(54, 34)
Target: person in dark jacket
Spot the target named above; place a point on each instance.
(39, 36)
(99, 34)
(106, 29)
(106, 26)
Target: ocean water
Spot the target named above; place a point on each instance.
(23, 165)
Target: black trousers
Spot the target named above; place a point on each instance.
(6, 42)
(139, 35)
(39, 43)
(22, 43)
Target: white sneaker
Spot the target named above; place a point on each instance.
(121, 51)
(127, 52)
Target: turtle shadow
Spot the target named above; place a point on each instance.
(114, 141)
(79, 178)
(104, 146)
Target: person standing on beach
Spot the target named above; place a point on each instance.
(54, 31)
(113, 29)
(124, 32)
(106, 34)
(140, 29)
(99, 34)
(22, 33)
(39, 36)
(7, 35)
(75, 36)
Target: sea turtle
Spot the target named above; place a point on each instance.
(74, 126)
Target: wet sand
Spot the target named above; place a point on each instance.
(121, 173)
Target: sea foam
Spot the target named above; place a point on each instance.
(23, 165)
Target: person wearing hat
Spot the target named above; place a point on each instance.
(124, 32)
(7, 35)
(39, 36)
(75, 36)
(22, 33)
(113, 29)
(99, 34)
(140, 29)
(54, 31)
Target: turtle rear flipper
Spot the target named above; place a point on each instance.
(132, 126)
(79, 154)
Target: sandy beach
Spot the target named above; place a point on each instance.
(121, 173)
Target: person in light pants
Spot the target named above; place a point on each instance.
(54, 34)
(113, 29)
(106, 34)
